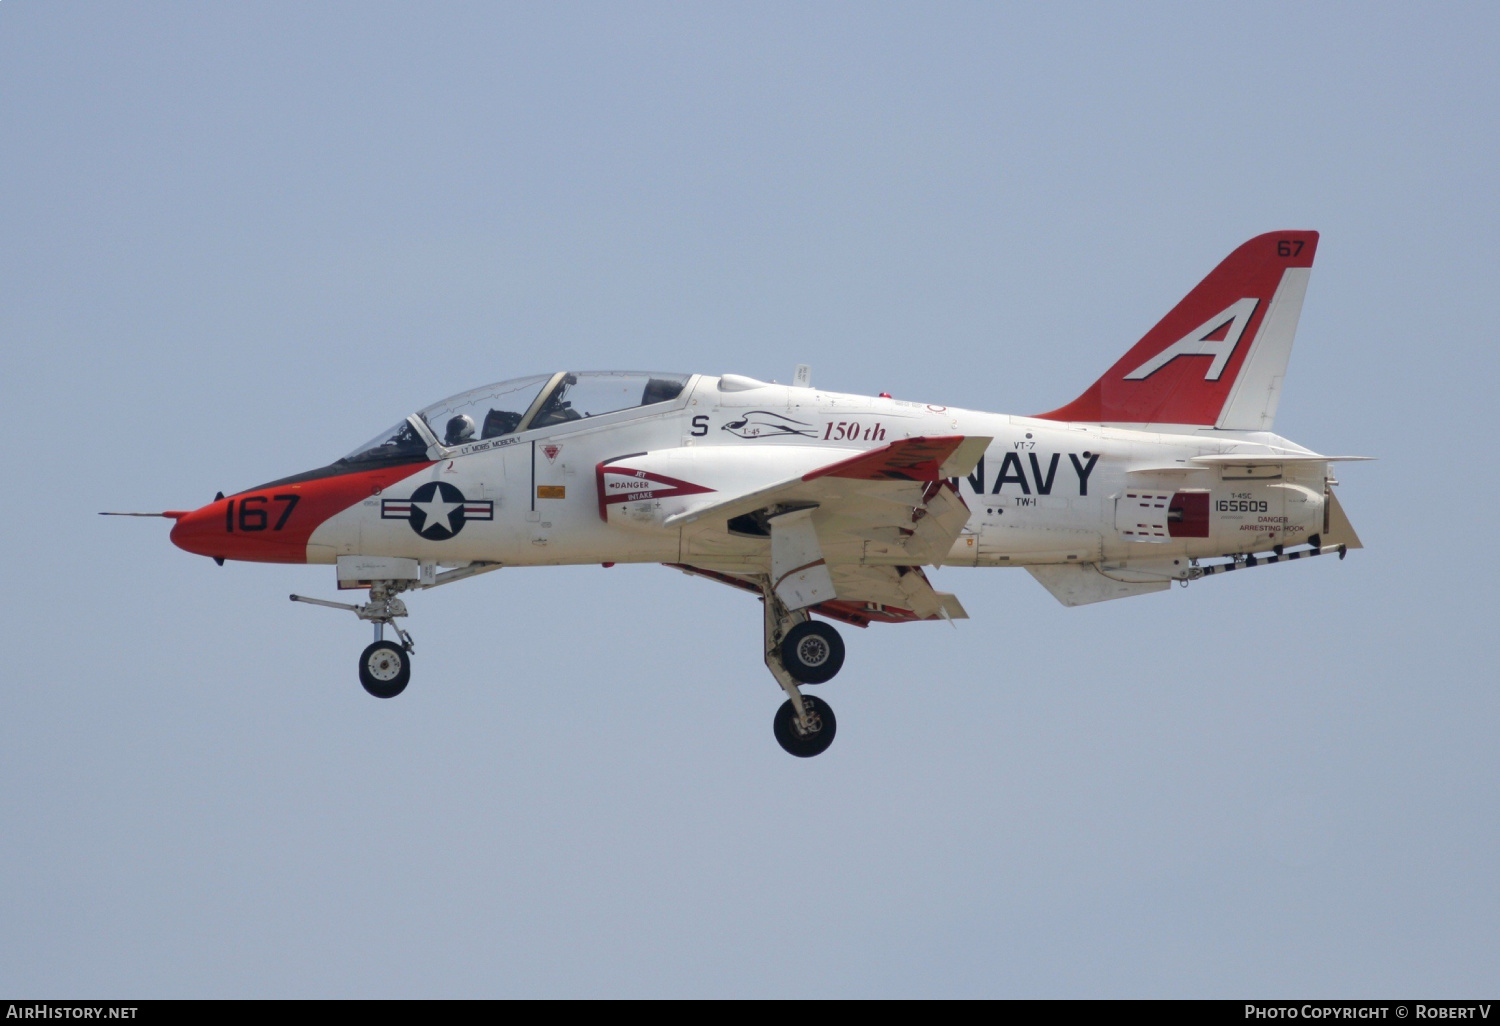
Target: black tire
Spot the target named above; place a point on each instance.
(812, 652)
(805, 746)
(384, 669)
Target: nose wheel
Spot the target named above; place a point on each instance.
(385, 669)
(384, 666)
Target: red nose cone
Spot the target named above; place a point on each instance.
(241, 527)
(273, 523)
(261, 526)
(202, 532)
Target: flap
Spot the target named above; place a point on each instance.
(866, 594)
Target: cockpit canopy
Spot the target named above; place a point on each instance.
(520, 404)
(487, 412)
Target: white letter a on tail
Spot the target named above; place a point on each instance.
(1215, 337)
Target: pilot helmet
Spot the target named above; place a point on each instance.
(460, 429)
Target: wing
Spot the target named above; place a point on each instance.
(846, 538)
(893, 505)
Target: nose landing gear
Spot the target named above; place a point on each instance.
(385, 666)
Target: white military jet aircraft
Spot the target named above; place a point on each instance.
(1165, 469)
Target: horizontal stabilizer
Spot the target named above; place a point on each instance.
(1271, 459)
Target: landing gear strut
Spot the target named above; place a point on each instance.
(385, 666)
(799, 649)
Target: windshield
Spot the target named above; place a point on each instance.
(399, 444)
(487, 412)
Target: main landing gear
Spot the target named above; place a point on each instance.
(385, 666)
(812, 652)
(800, 650)
(813, 739)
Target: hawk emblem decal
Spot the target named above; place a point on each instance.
(765, 424)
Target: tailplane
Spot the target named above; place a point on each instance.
(1218, 359)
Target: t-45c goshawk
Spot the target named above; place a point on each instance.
(1165, 469)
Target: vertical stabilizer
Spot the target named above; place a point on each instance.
(1219, 358)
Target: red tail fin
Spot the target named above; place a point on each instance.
(1219, 357)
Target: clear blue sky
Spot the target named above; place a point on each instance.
(240, 239)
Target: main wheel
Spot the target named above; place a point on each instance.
(789, 733)
(812, 652)
(384, 669)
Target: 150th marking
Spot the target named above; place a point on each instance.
(852, 430)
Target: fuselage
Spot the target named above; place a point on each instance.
(1045, 492)
(822, 503)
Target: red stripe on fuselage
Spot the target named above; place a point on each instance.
(249, 526)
